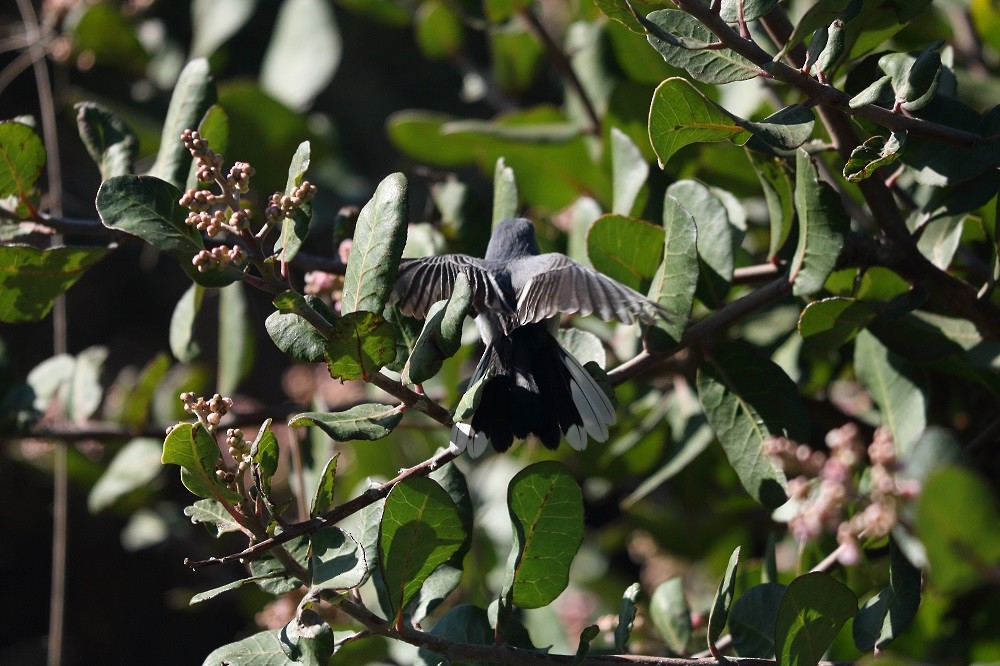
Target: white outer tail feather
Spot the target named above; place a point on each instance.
(591, 402)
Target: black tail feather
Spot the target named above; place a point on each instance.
(530, 391)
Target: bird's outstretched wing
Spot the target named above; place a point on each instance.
(549, 284)
(422, 282)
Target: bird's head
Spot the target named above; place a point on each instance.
(512, 238)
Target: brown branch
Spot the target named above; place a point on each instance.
(944, 289)
(821, 93)
(334, 515)
(703, 330)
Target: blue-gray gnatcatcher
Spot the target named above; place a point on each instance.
(536, 386)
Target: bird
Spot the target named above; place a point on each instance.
(533, 386)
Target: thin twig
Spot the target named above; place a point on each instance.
(703, 330)
(562, 63)
(333, 516)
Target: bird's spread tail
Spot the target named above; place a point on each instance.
(538, 388)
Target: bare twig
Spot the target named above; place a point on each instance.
(562, 63)
(702, 331)
(334, 515)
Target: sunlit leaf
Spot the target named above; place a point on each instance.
(812, 610)
(546, 510)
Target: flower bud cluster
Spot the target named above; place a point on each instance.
(210, 223)
(219, 257)
(280, 205)
(209, 412)
(826, 492)
(239, 177)
(239, 449)
(208, 163)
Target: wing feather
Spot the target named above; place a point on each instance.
(422, 282)
(550, 284)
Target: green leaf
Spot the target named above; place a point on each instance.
(550, 156)
(137, 404)
(752, 620)
(446, 578)
(625, 249)
(109, 37)
(940, 238)
(583, 647)
(364, 422)
(584, 346)
(680, 115)
(822, 13)
(236, 339)
(420, 530)
(377, 246)
(270, 572)
(957, 518)
(193, 94)
(110, 142)
(772, 173)
(723, 601)
(135, 466)
(213, 22)
(879, 93)
(898, 387)
(822, 225)
(213, 516)
(830, 323)
(323, 497)
(877, 151)
(677, 277)
(752, 9)
(359, 345)
(785, 129)
(626, 616)
(470, 399)
(681, 40)
(303, 54)
(515, 56)
(261, 649)
(295, 228)
(148, 207)
(228, 587)
(439, 31)
(505, 198)
(546, 510)
(671, 615)
(888, 613)
(465, 624)
(717, 238)
(748, 399)
(441, 336)
(294, 335)
(31, 279)
(22, 157)
(307, 638)
(629, 171)
(338, 561)
(813, 609)
(182, 343)
(264, 454)
(196, 452)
